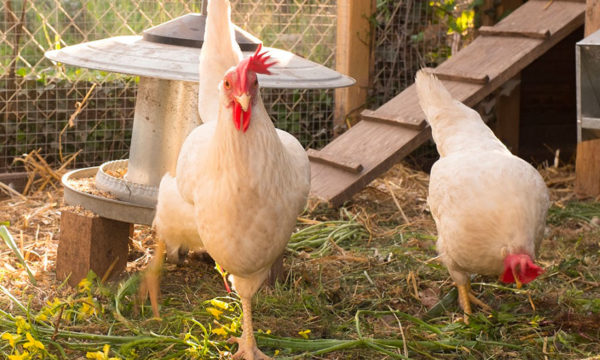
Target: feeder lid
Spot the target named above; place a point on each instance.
(171, 51)
(188, 30)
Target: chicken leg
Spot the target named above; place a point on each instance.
(150, 285)
(466, 296)
(246, 343)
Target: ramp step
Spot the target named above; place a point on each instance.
(405, 121)
(336, 161)
(492, 31)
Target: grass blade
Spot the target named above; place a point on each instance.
(10, 241)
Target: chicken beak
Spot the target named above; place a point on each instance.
(517, 281)
(244, 101)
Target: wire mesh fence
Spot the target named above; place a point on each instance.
(38, 98)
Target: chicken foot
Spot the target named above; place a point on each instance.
(150, 284)
(466, 297)
(247, 343)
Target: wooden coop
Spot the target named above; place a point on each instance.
(525, 63)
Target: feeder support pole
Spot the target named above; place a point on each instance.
(587, 166)
(353, 58)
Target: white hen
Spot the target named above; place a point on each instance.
(489, 206)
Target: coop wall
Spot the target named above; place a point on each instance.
(548, 104)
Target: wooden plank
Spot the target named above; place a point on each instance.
(353, 57)
(336, 161)
(587, 167)
(412, 122)
(541, 15)
(592, 17)
(492, 31)
(403, 108)
(378, 145)
(481, 79)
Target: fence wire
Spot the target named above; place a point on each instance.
(37, 98)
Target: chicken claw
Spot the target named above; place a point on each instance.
(247, 349)
(465, 297)
(150, 284)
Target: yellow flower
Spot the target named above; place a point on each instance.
(276, 352)
(31, 342)
(304, 333)
(24, 356)
(214, 312)
(86, 310)
(234, 326)
(101, 355)
(84, 285)
(54, 304)
(22, 324)
(41, 317)
(220, 331)
(219, 304)
(12, 339)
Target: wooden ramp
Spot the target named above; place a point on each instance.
(386, 135)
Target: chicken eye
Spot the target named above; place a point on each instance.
(255, 82)
(227, 84)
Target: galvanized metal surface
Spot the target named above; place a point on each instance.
(123, 189)
(188, 30)
(108, 208)
(166, 111)
(588, 87)
(135, 56)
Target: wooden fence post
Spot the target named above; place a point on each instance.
(353, 57)
(587, 166)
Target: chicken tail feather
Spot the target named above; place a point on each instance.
(433, 96)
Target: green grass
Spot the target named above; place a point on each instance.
(360, 298)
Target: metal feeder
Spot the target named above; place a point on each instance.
(166, 59)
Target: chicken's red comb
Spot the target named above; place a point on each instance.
(258, 62)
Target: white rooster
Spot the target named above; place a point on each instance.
(247, 182)
(489, 206)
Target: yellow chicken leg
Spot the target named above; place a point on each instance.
(464, 300)
(466, 296)
(246, 343)
(150, 285)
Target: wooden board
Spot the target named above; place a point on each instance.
(377, 145)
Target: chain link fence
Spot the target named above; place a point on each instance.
(38, 98)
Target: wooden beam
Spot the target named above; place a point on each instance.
(587, 165)
(405, 121)
(491, 31)
(353, 58)
(592, 16)
(337, 161)
(90, 242)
